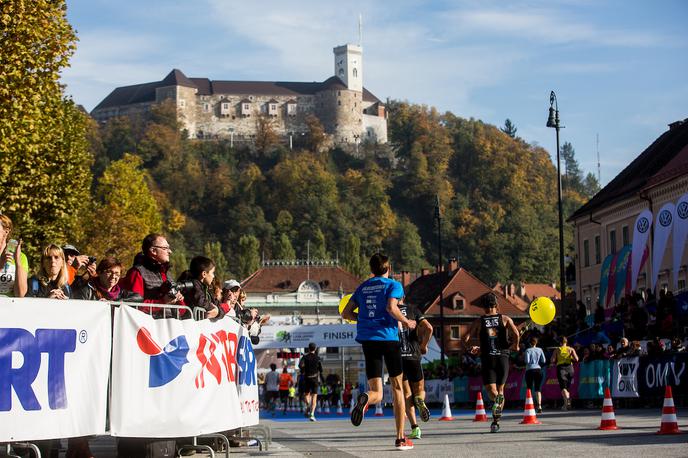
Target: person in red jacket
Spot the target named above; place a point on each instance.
(148, 276)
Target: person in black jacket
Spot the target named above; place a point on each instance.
(52, 280)
(201, 274)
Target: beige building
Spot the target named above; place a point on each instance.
(231, 109)
(605, 224)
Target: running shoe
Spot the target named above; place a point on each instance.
(357, 413)
(494, 427)
(312, 418)
(415, 433)
(403, 444)
(422, 408)
(538, 410)
(498, 406)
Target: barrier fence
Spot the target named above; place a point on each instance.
(168, 377)
(635, 377)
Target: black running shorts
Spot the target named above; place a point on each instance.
(377, 350)
(534, 379)
(311, 385)
(495, 369)
(565, 376)
(413, 371)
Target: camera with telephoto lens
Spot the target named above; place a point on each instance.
(171, 288)
(246, 316)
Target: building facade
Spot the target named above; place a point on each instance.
(236, 110)
(605, 224)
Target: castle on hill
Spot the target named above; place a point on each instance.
(231, 109)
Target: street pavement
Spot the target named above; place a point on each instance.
(561, 434)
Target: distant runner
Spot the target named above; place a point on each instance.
(311, 368)
(494, 350)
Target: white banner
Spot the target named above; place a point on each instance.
(665, 220)
(324, 335)
(54, 364)
(625, 378)
(247, 381)
(641, 232)
(175, 378)
(680, 235)
(435, 390)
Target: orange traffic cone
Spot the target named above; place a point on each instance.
(446, 410)
(529, 417)
(608, 421)
(378, 410)
(480, 414)
(669, 422)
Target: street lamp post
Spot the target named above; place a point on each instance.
(438, 217)
(553, 121)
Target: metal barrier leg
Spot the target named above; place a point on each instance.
(196, 447)
(222, 438)
(28, 445)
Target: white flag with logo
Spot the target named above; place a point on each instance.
(641, 232)
(665, 220)
(680, 233)
(173, 378)
(247, 380)
(54, 366)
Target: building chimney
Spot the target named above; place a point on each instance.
(424, 272)
(452, 265)
(522, 290)
(405, 278)
(512, 290)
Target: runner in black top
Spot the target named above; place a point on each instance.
(494, 350)
(414, 344)
(311, 368)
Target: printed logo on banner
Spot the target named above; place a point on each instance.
(643, 225)
(665, 218)
(283, 336)
(661, 374)
(53, 342)
(165, 364)
(682, 210)
(627, 381)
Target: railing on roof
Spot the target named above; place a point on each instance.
(300, 262)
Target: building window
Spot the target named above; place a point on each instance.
(624, 235)
(339, 103)
(598, 252)
(612, 241)
(455, 334)
(355, 73)
(586, 253)
(182, 103)
(331, 350)
(246, 106)
(681, 285)
(437, 332)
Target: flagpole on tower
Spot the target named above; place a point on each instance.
(360, 29)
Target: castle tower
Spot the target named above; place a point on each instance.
(348, 66)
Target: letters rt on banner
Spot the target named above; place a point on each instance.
(54, 365)
(175, 378)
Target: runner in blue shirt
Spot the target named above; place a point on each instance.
(378, 321)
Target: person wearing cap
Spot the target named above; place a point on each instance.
(76, 261)
(230, 296)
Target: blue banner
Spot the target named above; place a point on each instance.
(594, 377)
(621, 272)
(604, 278)
(461, 389)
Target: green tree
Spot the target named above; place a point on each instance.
(44, 158)
(352, 256)
(282, 248)
(509, 128)
(213, 250)
(405, 247)
(248, 259)
(125, 210)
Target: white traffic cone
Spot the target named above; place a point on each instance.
(318, 409)
(480, 414)
(339, 408)
(351, 406)
(378, 410)
(327, 408)
(446, 410)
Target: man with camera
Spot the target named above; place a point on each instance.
(148, 277)
(77, 261)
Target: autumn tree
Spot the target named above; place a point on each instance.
(44, 156)
(248, 256)
(125, 211)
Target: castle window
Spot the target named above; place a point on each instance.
(182, 103)
(206, 107)
(355, 73)
(339, 93)
(291, 109)
(339, 102)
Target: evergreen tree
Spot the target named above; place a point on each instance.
(248, 259)
(405, 247)
(509, 128)
(353, 258)
(283, 249)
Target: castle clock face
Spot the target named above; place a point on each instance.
(341, 71)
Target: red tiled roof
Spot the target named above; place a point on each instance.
(288, 278)
(532, 290)
(424, 293)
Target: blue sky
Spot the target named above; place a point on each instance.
(618, 67)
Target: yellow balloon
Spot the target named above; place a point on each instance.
(542, 310)
(342, 303)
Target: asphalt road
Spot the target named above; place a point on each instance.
(561, 434)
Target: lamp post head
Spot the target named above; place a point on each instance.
(553, 119)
